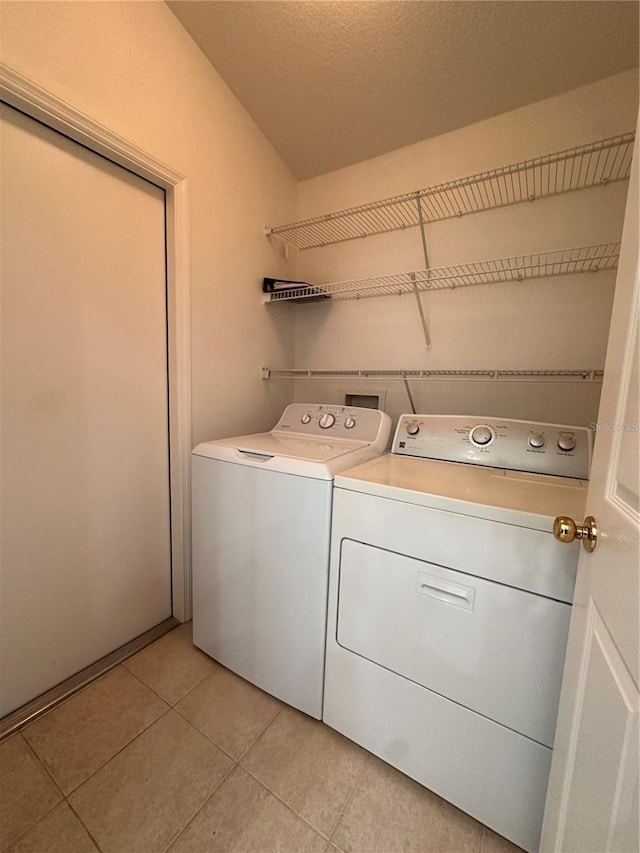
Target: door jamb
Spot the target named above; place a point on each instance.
(25, 95)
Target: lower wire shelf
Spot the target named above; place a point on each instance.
(483, 375)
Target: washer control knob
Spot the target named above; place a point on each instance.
(567, 441)
(413, 429)
(349, 422)
(327, 420)
(481, 435)
(536, 440)
(306, 418)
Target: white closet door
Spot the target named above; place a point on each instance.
(592, 798)
(84, 477)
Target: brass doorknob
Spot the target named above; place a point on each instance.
(566, 530)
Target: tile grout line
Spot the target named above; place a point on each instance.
(284, 802)
(31, 826)
(155, 692)
(152, 645)
(326, 836)
(148, 686)
(202, 680)
(85, 827)
(122, 748)
(260, 733)
(115, 754)
(167, 710)
(104, 763)
(142, 681)
(44, 766)
(359, 775)
(41, 764)
(169, 707)
(204, 735)
(236, 764)
(211, 738)
(198, 810)
(51, 777)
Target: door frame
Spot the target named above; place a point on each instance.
(25, 95)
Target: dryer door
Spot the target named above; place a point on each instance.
(492, 648)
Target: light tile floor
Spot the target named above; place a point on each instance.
(172, 752)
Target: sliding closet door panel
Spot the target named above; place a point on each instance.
(84, 477)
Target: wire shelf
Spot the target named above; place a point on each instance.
(590, 165)
(603, 256)
(485, 375)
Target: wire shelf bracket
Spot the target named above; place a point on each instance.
(595, 164)
(416, 291)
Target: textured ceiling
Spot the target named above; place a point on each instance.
(332, 83)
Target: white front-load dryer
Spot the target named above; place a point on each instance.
(449, 607)
(261, 508)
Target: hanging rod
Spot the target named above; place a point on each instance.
(597, 163)
(483, 375)
(603, 256)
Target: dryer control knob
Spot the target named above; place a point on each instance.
(306, 418)
(349, 423)
(327, 420)
(536, 440)
(481, 435)
(567, 441)
(413, 429)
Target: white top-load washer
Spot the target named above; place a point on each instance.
(261, 510)
(449, 605)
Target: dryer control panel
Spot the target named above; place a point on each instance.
(540, 448)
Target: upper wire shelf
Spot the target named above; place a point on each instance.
(603, 256)
(589, 165)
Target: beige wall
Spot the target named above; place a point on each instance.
(550, 323)
(132, 67)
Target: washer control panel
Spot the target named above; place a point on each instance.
(321, 419)
(564, 451)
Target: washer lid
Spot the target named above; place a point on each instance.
(512, 497)
(293, 446)
(289, 453)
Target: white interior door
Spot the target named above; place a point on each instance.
(84, 452)
(592, 799)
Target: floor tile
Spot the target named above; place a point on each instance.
(388, 811)
(494, 843)
(229, 710)
(243, 817)
(310, 766)
(58, 832)
(26, 792)
(144, 796)
(83, 733)
(172, 666)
